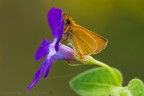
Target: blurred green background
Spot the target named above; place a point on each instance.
(23, 25)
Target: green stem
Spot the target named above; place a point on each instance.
(109, 69)
(90, 60)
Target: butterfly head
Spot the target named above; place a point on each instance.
(68, 20)
(68, 23)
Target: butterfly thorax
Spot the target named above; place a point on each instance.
(69, 23)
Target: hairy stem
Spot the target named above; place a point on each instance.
(91, 60)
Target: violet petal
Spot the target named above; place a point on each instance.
(43, 50)
(37, 76)
(56, 23)
(45, 67)
(51, 60)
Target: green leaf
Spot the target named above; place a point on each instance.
(95, 82)
(136, 87)
(120, 91)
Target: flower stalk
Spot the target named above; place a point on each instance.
(91, 60)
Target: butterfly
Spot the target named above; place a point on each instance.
(84, 41)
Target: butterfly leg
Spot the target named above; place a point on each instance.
(67, 37)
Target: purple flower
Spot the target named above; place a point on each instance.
(51, 49)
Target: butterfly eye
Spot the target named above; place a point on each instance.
(68, 21)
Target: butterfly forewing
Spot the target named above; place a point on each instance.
(100, 41)
(86, 42)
